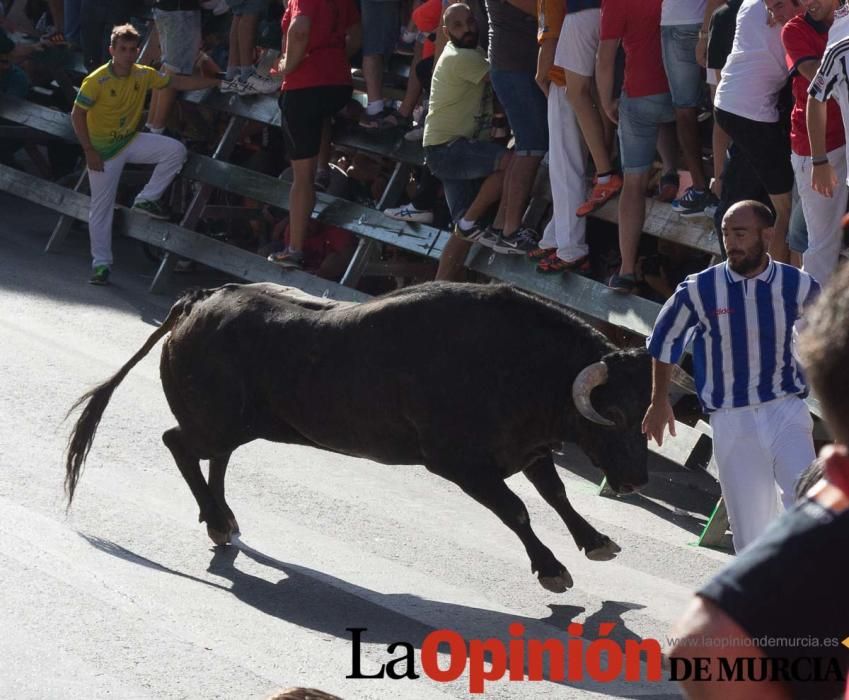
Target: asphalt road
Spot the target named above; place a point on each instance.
(125, 597)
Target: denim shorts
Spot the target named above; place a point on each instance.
(678, 43)
(381, 22)
(797, 234)
(526, 108)
(179, 37)
(247, 7)
(639, 119)
(461, 165)
(463, 159)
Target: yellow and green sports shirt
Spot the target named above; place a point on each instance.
(114, 105)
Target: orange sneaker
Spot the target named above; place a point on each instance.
(600, 194)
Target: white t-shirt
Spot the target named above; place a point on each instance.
(831, 79)
(682, 12)
(756, 69)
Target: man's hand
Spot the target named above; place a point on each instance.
(823, 179)
(543, 81)
(93, 160)
(611, 109)
(658, 416)
(701, 52)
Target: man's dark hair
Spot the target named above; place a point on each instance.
(762, 213)
(824, 348)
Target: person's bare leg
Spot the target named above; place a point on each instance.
(161, 103)
(301, 201)
(579, 94)
(414, 86)
(632, 214)
(452, 260)
(687, 127)
(521, 181)
(57, 12)
(373, 74)
(667, 147)
(233, 53)
(719, 142)
(247, 39)
(488, 194)
(778, 249)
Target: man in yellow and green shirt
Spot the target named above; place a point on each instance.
(106, 117)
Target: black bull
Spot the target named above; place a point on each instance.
(475, 382)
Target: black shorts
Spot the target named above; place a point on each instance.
(790, 588)
(302, 116)
(766, 145)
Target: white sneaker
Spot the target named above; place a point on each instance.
(414, 134)
(262, 86)
(233, 86)
(409, 213)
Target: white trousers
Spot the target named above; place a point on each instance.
(822, 215)
(757, 448)
(168, 154)
(567, 159)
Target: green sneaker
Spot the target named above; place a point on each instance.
(100, 276)
(155, 210)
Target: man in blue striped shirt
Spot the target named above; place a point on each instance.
(740, 316)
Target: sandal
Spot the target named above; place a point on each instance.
(555, 264)
(56, 38)
(538, 254)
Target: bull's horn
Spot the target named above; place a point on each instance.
(683, 380)
(588, 379)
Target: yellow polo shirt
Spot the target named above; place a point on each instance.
(114, 105)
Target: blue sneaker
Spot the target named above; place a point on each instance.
(693, 202)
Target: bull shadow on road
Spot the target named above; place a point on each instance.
(331, 606)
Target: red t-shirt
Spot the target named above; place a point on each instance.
(637, 24)
(805, 39)
(427, 17)
(325, 62)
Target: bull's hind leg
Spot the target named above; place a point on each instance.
(493, 493)
(217, 471)
(543, 475)
(217, 525)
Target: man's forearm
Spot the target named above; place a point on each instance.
(78, 122)
(661, 377)
(816, 113)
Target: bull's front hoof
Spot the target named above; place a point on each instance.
(217, 536)
(557, 584)
(605, 552)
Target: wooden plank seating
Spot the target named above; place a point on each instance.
(176, 239)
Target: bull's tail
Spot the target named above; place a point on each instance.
(96, 400)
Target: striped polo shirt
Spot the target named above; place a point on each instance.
(742, 333)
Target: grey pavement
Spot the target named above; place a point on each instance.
(124, 596)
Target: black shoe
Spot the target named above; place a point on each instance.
(100, 276)
(520, 243)
(623, 284)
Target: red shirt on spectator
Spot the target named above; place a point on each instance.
(637, 24)
(805, 39)
(427, 17)
(326, 61)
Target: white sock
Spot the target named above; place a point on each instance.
(375, 107)
(603, 179)
(232, 72)
(155, 130)
(465, 224)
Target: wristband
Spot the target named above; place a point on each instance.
(822, 160)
